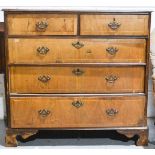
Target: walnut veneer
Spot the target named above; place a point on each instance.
(76, 70)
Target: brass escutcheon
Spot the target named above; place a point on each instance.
(78, 72)
(77, 104)
(114, 25)
(78, 45)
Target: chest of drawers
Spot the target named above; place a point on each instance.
(76, 70)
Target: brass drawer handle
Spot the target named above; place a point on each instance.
(111, 112)
(44, 78)
(42, 50)
(112, 50)
(114, 25)
(78, 45)
(78, 72)
(111, 78)
(41, 26)
(44, 112)
(77, 104)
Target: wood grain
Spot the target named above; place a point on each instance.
(70, 88)
(58, 24)
(62, 50)
(63, 114)
(98, 24)
(63, 80)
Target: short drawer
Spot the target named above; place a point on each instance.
(114, 25)
(42, 24)
(77, 112)
(78, 79)
(31, 51)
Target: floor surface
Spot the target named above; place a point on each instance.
(80, 139)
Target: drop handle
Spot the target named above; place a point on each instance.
(44, 78)
(42, 50)
(112, 50)
(111, 78)
(44, 112)
(114, 25)
(111, 112)
(41, 26)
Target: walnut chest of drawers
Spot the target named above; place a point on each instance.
(76, 70)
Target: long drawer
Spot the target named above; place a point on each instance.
(78, 112)
(31, 51)
(92, 79)
(42, 24)
(114, 25)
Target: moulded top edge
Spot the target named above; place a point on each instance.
(76, 11)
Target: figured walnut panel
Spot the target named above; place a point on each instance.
(59, 112)
(85, 80)
(128, 24)
(58, 24)
(62, 50)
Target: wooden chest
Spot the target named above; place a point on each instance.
(76, 70)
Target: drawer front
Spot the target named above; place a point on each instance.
(66, 112)
(42, 24)
(114, 25)
(76, 50)
(76, 79)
